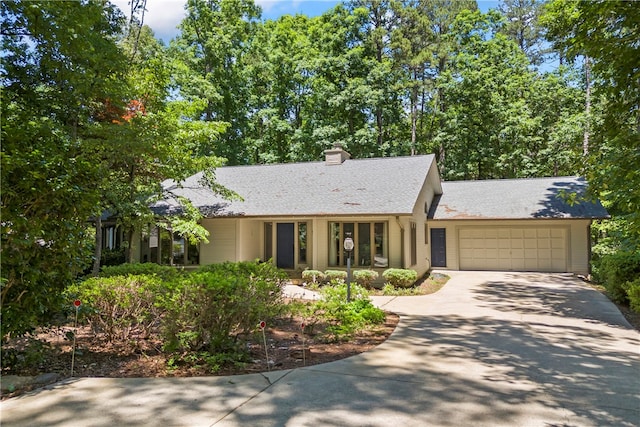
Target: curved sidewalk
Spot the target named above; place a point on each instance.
(489, 349)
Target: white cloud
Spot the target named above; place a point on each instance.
(266, 5)
(163, 16)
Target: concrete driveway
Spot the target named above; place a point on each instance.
(489, 349)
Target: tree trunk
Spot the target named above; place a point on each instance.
(97, 254)
(587, 106)
(128, 250)
(414, 115)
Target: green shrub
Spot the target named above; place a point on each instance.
(210, 307)
(331, 275)
(365, 277)
(120, 305)
(399, 277)
(113, 257)
(347, 317)
(615, 270)
(632, 289)
(148, 268)
(313, 276)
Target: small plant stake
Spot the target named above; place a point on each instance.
(304, 356)
(262, 325)
(76, 303)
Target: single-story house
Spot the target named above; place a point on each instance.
(397, 210)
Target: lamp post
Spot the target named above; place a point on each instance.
(348, 247)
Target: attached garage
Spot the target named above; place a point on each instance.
(517, 248)
(513, 225)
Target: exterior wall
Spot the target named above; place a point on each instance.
(242, 239)
(223, 241)
(250, 238)
(577, 231)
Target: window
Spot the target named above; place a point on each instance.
(370, 241)
(268, 241)
(111, 237)
(164, 247)
(364, 243)
(414, 244)
(302, 242)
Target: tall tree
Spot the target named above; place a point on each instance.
(279, 67)
(381, 80)
(61, 65)
(608, 33)
(441, 17)
(413, 43)
(522, 26)
(210, 50)
(486, 89)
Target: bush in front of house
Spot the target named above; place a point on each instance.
(210, 307)
(120, 306)
(365, 277)
(400, 277)
(618, 272)
(165, 272)
(313, 276)
(332, 275)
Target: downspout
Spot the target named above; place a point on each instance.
(589, 246)
(401, 241)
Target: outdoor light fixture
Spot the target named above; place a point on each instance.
(348, 247)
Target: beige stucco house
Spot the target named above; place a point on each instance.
(397, 210)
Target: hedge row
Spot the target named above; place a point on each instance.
(397, 277)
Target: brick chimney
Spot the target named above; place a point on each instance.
(335, 155)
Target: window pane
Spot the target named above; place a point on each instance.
(178, 250)
(414, 244)
(193, 254)
(380, 239)
(165, 247)
(334, 244)
(348, 229)
(302, 242)
(268, 241)
(364, 244)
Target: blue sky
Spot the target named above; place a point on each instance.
(163, 16)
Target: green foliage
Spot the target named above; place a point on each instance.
(390, 290)
(213, 362)
(615, 271)
(210, 307)
(60, 64)
(112, 257)
(164, 272)
(347, 317)
(335, 275)
(313, 276)
(606, 33)
(400, 277)
(31, 355)
(365, 277)
(121, 306)
(632, 288)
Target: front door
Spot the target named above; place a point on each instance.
(285, 245)
(438, 247)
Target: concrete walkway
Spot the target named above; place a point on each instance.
(489, 349)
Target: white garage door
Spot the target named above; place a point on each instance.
(518, 249)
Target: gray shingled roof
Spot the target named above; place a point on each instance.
(514, 199)
(356, 187)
